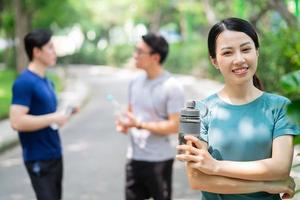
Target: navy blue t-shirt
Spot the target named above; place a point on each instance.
(37, 93)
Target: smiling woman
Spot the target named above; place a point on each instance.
(246, 146)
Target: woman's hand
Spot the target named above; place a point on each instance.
(290, 190)
(197, 156)
(287, 187)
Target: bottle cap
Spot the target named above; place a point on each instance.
(109, 97)
(190, 109)
(190, 104)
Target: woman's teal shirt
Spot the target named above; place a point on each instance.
(245, 133)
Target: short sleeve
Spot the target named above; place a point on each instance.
(204, 124)
(282, 124)
(21, 93)
(50, 82)
(175, 101)
(130, 92)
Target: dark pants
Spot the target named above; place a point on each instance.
(149, 179)
(46, 178)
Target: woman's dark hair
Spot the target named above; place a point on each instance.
(233, 24)
(37, 38)
(158, 44)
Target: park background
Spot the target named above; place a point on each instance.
(103, 33)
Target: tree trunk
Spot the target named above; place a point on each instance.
(279, 6)
(183, 26)
(210, 13)
(256, 17)
(21, 29)
(155, 21)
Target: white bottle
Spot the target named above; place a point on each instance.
(68, 112)
(119, 111)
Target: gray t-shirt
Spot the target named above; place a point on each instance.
(153, 100)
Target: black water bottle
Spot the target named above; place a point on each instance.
(190, 119)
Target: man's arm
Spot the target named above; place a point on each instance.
(165, 127)
(21, 121)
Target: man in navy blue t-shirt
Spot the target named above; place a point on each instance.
(32, 113)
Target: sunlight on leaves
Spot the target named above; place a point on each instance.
(291, 82)
(2, 93)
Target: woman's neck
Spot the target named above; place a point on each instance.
(239, 94)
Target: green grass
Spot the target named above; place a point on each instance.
(6, 80)
(58, 82)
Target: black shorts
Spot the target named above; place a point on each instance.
(46, 178)
(149, 179)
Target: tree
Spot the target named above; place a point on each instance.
(280, 7)
(273, 5)
(7, 31)
(21, 28)
(42, 13)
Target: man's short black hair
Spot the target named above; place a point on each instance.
(37, 38)
(158, 44)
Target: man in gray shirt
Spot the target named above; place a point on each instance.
(155, 100)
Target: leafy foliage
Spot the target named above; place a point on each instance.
(279, 55)
(6, 80)
(291, 86)
(184, 57)
(290, 83)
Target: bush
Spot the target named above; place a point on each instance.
(8, 57)
(114, 55)
(182, 57)
(187, 57)
(88, 54)
(6, 80)
(118, 55)
(290, 83)
(279, 55)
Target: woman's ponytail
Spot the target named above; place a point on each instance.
(257, 83)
